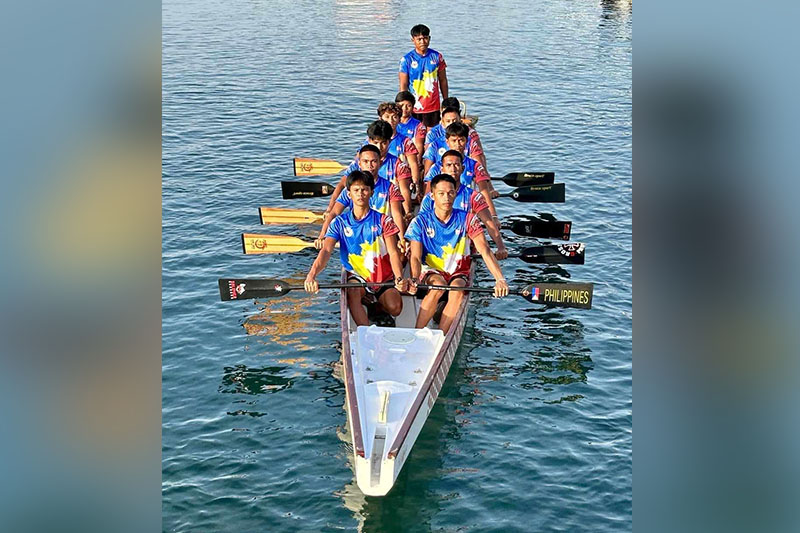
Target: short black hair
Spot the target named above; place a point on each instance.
(451, 101)
(369, 148)
(380, 129)
(455, 153)
(420, 29)
(451, 109)
(457, 129)
(405, 96)
(438, 178)
(360, 176)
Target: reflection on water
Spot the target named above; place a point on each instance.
(241, 379)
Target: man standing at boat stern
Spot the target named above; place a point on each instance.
(440, 252)
(368, 247)
(423, 72)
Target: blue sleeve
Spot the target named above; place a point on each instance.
(414, 232)
(432, 172)
(431, 153)
(334, 230)
(427, 204)
(345, 199)
(404, 65)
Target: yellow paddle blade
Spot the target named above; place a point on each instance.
(312, 167)
(272, 244)
(280, 215)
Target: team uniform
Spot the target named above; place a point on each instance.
(391, 169)
(423, 78)
(473, 173)
(466, 200)
(438, 134)
(445, 246)
(383, 193)
(361, 246)
(437, 148)
(413, 129)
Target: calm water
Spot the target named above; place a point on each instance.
(532, 431)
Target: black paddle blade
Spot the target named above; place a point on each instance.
(545, 229)
(521, 179)
(247, 289)
(578, 295)
(572, 253)
(539, 193)
(305, 189)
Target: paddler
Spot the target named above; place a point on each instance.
(468, 199)
(368, 250)
(435, 140)
(440, 252)
(408, 125)
(423, 72)
(400, 145)
(386, 198)
(473, 173)
(379, 134)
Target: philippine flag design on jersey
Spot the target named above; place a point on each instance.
(361, 245)
(447, 250)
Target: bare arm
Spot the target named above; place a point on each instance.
(394, 255)
(428, 164)
(415, 264)
(500, 286)
(486, 191)
(403, 77)
(405, 190)
(319, 264)
(336, 192)
(494, 232)
(442, 74)
(396, 210)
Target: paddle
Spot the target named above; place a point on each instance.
(247, 289)
(550, 254)
(305, 189)
(561, 294)
(281, 215)
(520, 179)
(541, 227)
(304, 166)
(254, 244)
(573, 253)
(535, 193)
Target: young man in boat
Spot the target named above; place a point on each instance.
(468, 199)
(423, 72)
(440, 253)
(386, 198)
(379, 134)
(473, 174)
(408, 125)
(400, 145)
(368, 250)
(436, 140)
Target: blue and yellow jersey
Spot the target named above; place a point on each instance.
(445, 246)
(361, 245)
(466, 200)
(383, 193)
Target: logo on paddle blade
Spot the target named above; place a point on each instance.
(306, 167)
(278, 287)
(260, 244)
(535, 293)
(234, 289)
(571, 249)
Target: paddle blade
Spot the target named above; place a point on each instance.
(305, 189)
(539, 193)
(522, 179)
(572, 253)
(254, 244)
(578, 295)
(545, 229)
(247, 289)
(313, 167)
(280, 215)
